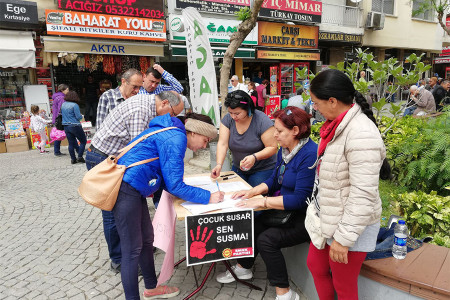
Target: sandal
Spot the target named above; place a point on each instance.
(162, 291)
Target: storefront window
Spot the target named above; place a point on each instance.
(11, 87)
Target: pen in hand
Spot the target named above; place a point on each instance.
(218, 189)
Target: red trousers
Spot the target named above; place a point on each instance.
(343, 277)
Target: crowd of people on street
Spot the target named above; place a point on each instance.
(288, 172)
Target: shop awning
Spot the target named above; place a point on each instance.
(180, 50)
(76, 45)
(17, 49)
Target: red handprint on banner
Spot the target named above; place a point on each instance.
(198, 246)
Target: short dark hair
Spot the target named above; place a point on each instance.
(293, 116)
(154, 72)
(265, 81)
(72, 96)
(240, 99)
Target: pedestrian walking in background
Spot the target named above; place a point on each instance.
(261, 90)
(37, 124)
(350, 155)
(252, 92)
(58, 100)
(71, 118)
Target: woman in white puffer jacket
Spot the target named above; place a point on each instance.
(351, 153)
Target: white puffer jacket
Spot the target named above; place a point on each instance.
(348, 178)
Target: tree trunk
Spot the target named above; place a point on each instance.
(235, 41)
(440, 16)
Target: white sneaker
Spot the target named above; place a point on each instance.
(241, 273)
(294, 296)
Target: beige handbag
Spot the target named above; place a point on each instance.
(100, 185)
(312, 225)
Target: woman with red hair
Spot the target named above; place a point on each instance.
(287, 189)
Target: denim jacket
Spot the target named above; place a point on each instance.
(70, 112)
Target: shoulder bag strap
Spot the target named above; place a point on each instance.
(142, 162)
(127, 148)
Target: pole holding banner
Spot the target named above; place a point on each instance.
(201, 71)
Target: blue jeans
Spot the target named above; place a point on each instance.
(136, 232)
(74, 132)
(109, 225)
(409, 111)
(56, 147)
(255, 178)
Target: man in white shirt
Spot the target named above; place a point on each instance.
(235, 85)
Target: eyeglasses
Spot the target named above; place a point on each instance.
(280, 177)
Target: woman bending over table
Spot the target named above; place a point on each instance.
(131, 211)
(293, 181)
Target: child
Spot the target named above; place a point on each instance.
(37, 124)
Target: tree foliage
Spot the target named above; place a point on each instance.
(249, 18)
(439, 6)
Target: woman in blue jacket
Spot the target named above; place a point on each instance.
(288, 188)
(71, 118)
(131, 211)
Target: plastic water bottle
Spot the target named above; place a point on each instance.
(400, 233)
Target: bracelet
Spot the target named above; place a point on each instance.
(255, 157)
(218, 164)
(265, 202)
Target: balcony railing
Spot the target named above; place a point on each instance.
(341, 15)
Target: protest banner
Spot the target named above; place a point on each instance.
(219, 236)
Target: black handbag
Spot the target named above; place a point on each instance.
(278, 218)
(58, 122)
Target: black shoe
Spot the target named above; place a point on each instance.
(73, 161)
(81, 160)
(115, 267)
(60, 154)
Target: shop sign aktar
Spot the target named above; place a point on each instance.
(219, 30)
(107, 26)
(134, 8)
(287, 36)
(287, 10)
(15, 13)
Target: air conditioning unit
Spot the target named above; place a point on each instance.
(375, 20)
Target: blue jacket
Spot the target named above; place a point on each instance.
(167, 171)
(298, 179)
(70, 112)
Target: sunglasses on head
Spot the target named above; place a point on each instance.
(235, 99)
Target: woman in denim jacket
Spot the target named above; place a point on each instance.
(71, 117)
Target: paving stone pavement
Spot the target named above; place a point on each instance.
(52, 244)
